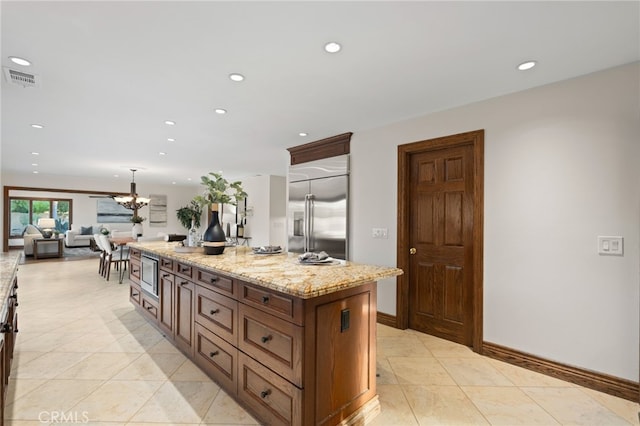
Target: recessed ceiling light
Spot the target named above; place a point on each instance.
(35, 172)
(34, 164)
(170, 123)
(526, 65)
(221, 111)
(171, 139)
(236, 77)
(37, 126)
(332, 47)
(173, 183)
(19, 61)
(162, 153)
(189, 179)
(116, 175)
(35, 153)
(303, 134)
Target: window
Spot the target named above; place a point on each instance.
(25, 211)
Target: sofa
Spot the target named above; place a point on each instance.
(80, 236)
(31, 232)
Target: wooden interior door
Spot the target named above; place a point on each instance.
(440, 237)
(441, 221)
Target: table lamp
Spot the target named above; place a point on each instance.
(45, 224)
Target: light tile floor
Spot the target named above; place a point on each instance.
(83, 353)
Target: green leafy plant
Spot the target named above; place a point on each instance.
(220, 191)
(137, 219)
(193, 211)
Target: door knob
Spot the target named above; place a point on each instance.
(412, 250)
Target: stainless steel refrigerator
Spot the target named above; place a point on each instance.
(318, 206)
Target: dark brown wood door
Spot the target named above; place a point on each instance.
(441, 232)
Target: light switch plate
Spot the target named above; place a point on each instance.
(380, 233)
(611, 246)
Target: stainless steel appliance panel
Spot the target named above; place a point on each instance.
(318, 207)
(327, 206)
(149, 275)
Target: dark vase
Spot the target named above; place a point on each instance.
(214, 239)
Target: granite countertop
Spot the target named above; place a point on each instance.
(8, 269)
(280, 272)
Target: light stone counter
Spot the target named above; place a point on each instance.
(280, 272)
(8, 269)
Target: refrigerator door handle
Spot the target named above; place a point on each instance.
(306, 223)
(310, 241)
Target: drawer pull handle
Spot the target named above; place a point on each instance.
(265, 339)
(165, 275)
(184, 282)
(6, 328)
(212, 354)
(214, 280)
(135, 294)
(265, 299)
(184, 269)
(214, 311)
(135, 271)
(265, 393)
(149, 308)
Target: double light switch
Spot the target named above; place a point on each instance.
(610, 245)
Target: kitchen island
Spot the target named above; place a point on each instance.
(293, 344)
(8, 318)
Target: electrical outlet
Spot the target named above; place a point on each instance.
(380, 233)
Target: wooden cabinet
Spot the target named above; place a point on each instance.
(217, 313)
(276, 343)
(8, 328)
(217, 357)
(166, 289)
(134, 265)
(184, 324)
(289, 361)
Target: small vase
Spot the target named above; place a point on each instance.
(192, 240)
(214, 239)
(136, 231)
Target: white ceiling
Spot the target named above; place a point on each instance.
(113, 72)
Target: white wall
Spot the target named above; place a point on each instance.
(84, 207)
(562, 166)
(267, 202)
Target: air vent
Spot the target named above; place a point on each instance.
(21, 78)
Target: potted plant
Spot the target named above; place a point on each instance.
(189, 215)
(137, 225)
(218, 191)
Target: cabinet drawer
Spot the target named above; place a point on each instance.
(134, 253)
(150, 307)
(134, 294)
(183, 269)
(277, 401)
(218, 313)
(135, 270)
(278, 344)
(217, 358)
(279, 304)
(217, 282)
(166, 264)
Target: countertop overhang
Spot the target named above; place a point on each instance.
(8, 269)
(280, 272)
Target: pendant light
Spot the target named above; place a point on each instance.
(132, 201)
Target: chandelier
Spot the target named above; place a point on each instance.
(132, 201)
